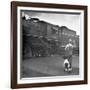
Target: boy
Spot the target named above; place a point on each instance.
(69, 53)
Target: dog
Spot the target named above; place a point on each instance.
(67, 66)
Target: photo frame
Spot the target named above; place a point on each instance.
(41, 37)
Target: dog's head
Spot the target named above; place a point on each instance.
(66, 62)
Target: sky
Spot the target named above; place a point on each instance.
(72, 21)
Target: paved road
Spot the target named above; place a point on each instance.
(47, 66)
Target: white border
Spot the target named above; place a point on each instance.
(56, 78)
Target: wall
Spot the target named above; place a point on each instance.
(5, 45)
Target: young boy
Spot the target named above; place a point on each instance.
(69, 53)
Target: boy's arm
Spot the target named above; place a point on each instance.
(66, 46)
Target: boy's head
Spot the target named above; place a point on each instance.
(70, 40)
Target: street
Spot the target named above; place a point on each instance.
(47, 66)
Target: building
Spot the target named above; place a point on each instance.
(41, 38)
(67, 34)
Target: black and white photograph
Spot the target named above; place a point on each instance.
(50, 43)
(49, 46)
